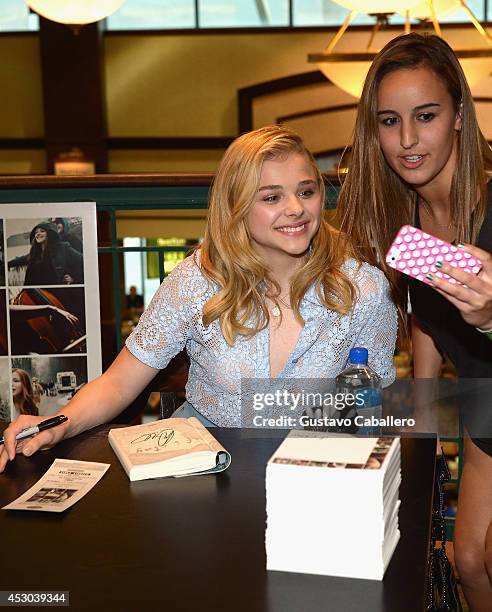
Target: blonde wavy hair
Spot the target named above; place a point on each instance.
(228, 258)
(374, 201)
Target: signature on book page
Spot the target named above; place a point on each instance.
(152, 441)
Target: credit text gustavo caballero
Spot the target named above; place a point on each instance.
(283, 408)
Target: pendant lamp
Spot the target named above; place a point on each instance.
(75, 12)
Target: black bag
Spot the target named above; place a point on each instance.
(442, 591)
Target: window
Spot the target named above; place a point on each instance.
(189, 14)
(319, 12)
(16, 17)
(243, 13)
(460, 15)
(324, 12)
(171, 14)
(153, 14)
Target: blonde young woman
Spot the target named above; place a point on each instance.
(268, 294)
(419, 157)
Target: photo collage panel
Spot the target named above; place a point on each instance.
(45, 333)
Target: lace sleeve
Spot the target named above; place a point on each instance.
(166, 324)
(378, 333)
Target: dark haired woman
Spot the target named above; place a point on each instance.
(50, 261)
(420, 158)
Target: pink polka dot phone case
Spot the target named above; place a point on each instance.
(415, 253)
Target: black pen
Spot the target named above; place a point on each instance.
(30, 431)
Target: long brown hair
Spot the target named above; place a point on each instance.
(228, 258)
(25, 404)
(374, 201)
(39, 252)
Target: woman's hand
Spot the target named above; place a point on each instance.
(72, 319)
(474, 299)
(67, 279)
(97, 402)
(28, 446)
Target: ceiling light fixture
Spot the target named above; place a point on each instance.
(348, 70)
(75, 12)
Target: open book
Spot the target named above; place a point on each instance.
(171, 447)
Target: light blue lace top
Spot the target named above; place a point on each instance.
(173, 321)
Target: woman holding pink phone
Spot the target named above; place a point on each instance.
(419, 158)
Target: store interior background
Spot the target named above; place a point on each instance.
(185, 86)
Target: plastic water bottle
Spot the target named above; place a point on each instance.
(361, 389)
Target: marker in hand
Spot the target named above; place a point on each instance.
(31, 431)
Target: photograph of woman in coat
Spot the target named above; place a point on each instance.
(49, 261)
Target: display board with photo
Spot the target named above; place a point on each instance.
(43, 385)
(50, 343)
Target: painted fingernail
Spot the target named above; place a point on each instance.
(438, 264)
(428, 276)
(460, 245)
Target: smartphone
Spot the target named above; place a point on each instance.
(414, 252)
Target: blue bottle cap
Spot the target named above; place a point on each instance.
(358, 354)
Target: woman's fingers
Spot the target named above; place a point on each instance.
(3, 457)
(68, 316)
(73, 318)
(41, 441)
(9, 448)
(27, 446)
(22, 422)
(461, 305)
(484, 256)
(466, 279)
(472, 295)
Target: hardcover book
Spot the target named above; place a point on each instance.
(170, 447)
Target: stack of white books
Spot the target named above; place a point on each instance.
(332, 505)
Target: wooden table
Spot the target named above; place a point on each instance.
(193, 544)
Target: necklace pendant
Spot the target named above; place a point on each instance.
(276, 311)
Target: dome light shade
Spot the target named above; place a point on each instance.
(380, 6)
(442, 8)
(75, 12)
(349, 76)
(348, 71)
